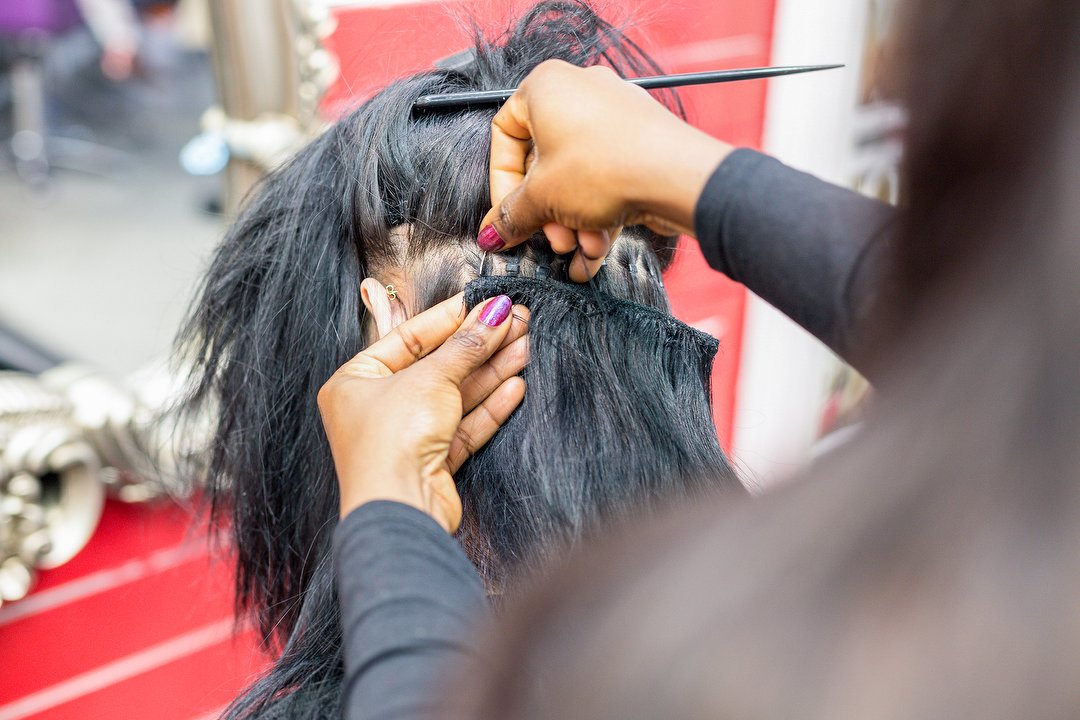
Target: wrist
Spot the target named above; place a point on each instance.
(400, 485)
(367, 481)
(353, 501)
(676, 181)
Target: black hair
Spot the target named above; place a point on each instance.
(387, 189)
(605, 375)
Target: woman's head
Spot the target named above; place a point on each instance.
(418, 180)
(389, 196)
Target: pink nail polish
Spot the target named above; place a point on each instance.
(489, 240)
(496, 311)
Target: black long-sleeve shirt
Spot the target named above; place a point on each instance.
(813, 250)
(409, 595)
(408, 598)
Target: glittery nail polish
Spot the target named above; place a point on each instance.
(496, 311)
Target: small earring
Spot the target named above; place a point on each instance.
(391, 292)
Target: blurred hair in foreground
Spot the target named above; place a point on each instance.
(932, 570)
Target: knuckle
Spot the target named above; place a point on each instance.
(466, 442)
(506, 219)
(549, 67)
(518, 357)
(601, 71)
(470, 388)
(486, 418)
(412, 343)
(470, 341)
(548, 72)
(485, 379)
(489, 416)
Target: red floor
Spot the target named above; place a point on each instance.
(139, 624)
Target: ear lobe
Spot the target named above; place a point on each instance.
(387, 312)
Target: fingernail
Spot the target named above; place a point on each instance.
(496, 311)
(489, 240)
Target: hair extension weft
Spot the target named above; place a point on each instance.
(616, 417)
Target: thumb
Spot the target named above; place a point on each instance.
(513, 220)
(478, 338)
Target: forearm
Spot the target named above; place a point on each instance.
(409, 601)
(112, 22)
(815, 251)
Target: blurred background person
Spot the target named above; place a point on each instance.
(116, 28)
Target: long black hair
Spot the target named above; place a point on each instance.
(389, 190)
(616, 418)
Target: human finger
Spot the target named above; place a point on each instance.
(561, 238)
(507, 361)
(511, 153)
(415, 338)
(593, 247)
(519, 324)
(448, 500)
(511, 145)
(480, 425)
(513, 220)
(503, 365)
(478, 338)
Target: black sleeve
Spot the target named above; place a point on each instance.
(811, 249)
(409, 599)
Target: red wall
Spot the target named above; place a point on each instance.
(375, 46)
(139, 624)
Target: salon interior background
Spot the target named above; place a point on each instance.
(103, 234)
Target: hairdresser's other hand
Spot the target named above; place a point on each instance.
(582, 154)
(118, 62)
(403, 415)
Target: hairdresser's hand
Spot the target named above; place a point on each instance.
(118, 63)
(403, 415)
(582, 154)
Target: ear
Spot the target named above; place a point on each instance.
(388, 312)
